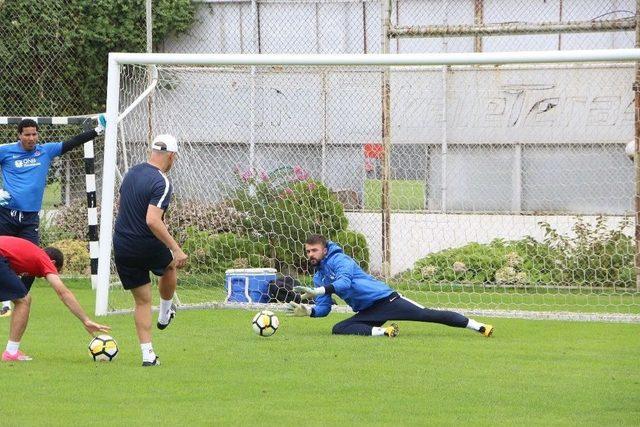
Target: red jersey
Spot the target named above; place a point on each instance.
(26, 258)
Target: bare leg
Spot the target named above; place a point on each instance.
(20, 318)
(142, 314)
(167, 282)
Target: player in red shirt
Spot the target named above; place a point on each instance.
(20, 257)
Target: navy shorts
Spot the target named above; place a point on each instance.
(134, 261)
(395, 307)
(11, 287)
(20, 224)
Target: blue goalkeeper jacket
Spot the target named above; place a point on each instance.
(351, 283)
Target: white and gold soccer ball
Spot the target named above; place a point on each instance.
(265, 323)
(103, 348)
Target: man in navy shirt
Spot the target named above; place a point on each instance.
(142, 243)
(25, 165)
(373, 301)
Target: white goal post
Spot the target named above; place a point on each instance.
(489, 178)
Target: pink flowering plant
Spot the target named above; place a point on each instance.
(285, 206)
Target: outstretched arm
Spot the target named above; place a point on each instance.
(67, 297)
(84, 136)
(78, 140)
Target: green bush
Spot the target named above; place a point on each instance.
(210, 253)
(285, 210)
(76, 256)
(594, 255)
(201, 216)
(591, 256)
(57, 63)
(355, 245)
(70, 221)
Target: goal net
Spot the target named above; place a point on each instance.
(500, 185)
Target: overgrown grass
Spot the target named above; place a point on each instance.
(217, 371)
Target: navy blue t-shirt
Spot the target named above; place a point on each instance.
(143, 185)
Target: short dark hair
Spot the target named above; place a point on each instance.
(55, 255)
(27, 123)
(316, 239)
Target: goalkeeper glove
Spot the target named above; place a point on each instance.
(102, 124)
(298, 310)
(4, 197)
(309, 293)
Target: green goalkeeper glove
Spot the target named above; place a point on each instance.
(298, 310)
(309, 293)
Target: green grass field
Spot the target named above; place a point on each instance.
(216, 371)
(406, 195)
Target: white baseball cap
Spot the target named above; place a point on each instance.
(165, 142)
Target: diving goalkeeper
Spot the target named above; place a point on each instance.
(374, 301)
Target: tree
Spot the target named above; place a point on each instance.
(54, 54)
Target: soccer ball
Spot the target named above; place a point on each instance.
(630, 149)
(265, 323)
(103, 348)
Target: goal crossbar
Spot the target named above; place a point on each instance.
(117, 59)
(476, 58)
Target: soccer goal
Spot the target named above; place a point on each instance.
(490, 183)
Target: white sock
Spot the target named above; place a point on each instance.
(163, 312)
(6, 304)
(12, 347)
(474, 325)
(148, 355)
(377, 331)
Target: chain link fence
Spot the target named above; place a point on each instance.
(468, 147)
(305, 26)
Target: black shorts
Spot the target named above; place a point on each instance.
(135, 261)
(11, 287)
(20, 224)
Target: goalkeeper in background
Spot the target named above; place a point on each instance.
(374, 301)
(25, 165)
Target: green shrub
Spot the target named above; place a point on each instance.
(595, 255)
(69, 222)
(76, 256)
(355, 245)
(201, 216)
(285, 210)
(591, 256)
(218, 252)
(50, 232)
(66, 73)
(480, 263)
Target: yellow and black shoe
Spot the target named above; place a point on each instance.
(486, 330)
(5, 311)
(392, 330)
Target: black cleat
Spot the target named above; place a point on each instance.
(172, 314)
(156, 362)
